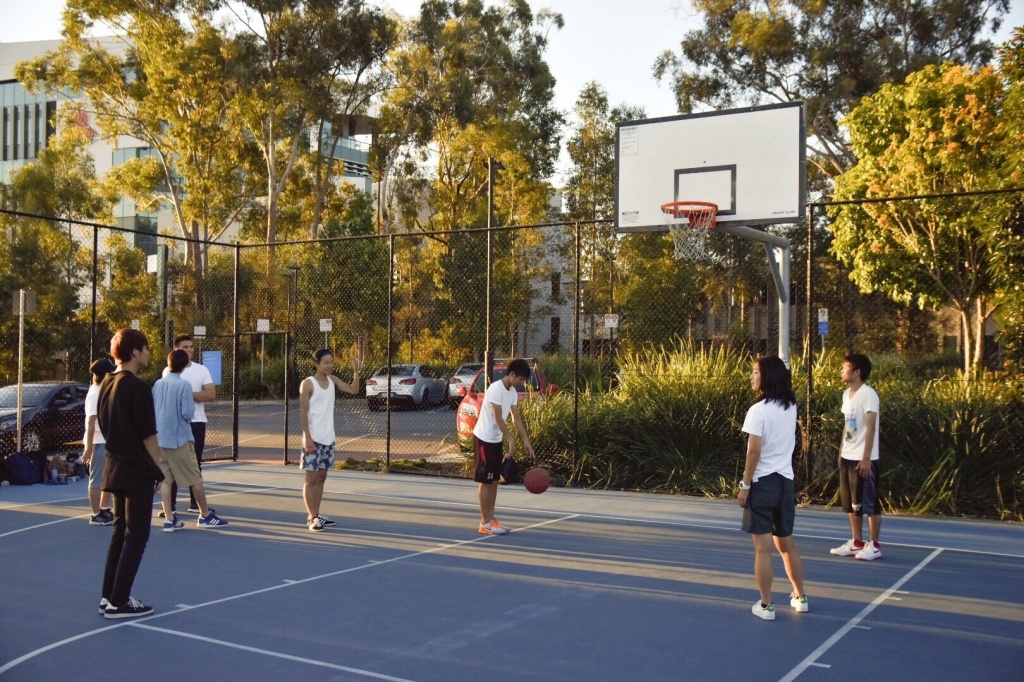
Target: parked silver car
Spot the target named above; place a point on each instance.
(414, 385)
(458, 385)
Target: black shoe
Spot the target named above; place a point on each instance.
(133, 609)
(103, 606)
(103, 518)
(324, 520)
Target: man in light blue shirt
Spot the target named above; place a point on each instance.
(172, 401)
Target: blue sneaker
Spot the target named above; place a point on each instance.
(210, 521)
(173, 525)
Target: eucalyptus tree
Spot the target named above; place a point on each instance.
(50, 256)
(167, 81)
(469, 83)
(830, 54)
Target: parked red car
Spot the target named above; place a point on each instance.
(469, 408)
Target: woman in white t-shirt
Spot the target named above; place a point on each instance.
(766, 490)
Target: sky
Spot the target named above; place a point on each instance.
(601, 41)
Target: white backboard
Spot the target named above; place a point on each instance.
(752, 162)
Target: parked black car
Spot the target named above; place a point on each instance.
(52, 414)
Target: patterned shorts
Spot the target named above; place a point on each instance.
(322, 458)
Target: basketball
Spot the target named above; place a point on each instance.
(537, 480)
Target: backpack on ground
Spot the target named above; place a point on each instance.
(22, 470)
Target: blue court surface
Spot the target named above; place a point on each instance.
(588, 586)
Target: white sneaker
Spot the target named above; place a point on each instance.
(493, 527)
(763, 612)
(870, 552)
(317, 526)
(848, 548)
(799, 604)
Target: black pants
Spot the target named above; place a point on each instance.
(199, 433)
(133, 514)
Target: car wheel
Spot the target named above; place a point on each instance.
(31, 441)
(424, 399)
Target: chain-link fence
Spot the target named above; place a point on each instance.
(641, 360)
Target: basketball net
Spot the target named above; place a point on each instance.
(689, 223)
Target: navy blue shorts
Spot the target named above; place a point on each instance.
(771, 506)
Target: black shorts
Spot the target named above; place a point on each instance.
(771, 506)
(488, 461)
(859, 495)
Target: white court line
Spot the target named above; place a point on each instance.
(831, 641)
(156, 503)
(35, 504)
(275, 654)
(272, 588)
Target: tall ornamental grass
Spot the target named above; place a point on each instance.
(672, 424)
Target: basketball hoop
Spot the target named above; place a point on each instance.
(689, 223)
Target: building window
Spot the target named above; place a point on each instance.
(556, 331)
(556, 284)
(14, 134)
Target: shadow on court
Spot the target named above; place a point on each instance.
(589, 586)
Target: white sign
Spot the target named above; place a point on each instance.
(136, 324)
(326, 324)
(199, 330)
(262, 325)
(611, 321)
(822, 314)
(152, 263)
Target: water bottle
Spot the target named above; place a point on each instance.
(53, 474)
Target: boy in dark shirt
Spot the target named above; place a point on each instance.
(128, 421)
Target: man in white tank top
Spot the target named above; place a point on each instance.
(316, 415)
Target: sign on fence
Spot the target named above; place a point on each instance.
(326, 324)
(611, 321)
(199, 331)
(262, 325)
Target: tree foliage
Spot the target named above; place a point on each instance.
(941, 131)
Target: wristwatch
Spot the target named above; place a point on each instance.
(744, 486)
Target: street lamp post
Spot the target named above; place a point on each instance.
(493, 166)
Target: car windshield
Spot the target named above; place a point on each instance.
(468, 370)
(396, 371)
(31, 396)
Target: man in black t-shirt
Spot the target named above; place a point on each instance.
(128, 422)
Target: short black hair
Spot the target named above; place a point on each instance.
(181, 337)
(319, 354)
(126, 341)
(776, 382)
(177, 360)
(102, 368)
(519, 367)
(861, 362)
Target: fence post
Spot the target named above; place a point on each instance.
(808, 347)
(236, 384)
(576, 355)
(95, 269)
(391, 316)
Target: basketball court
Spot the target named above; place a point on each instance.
(589, 586)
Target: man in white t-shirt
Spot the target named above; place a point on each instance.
(203, 391)
(95, 446)
(500, 399)
(858, 460)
